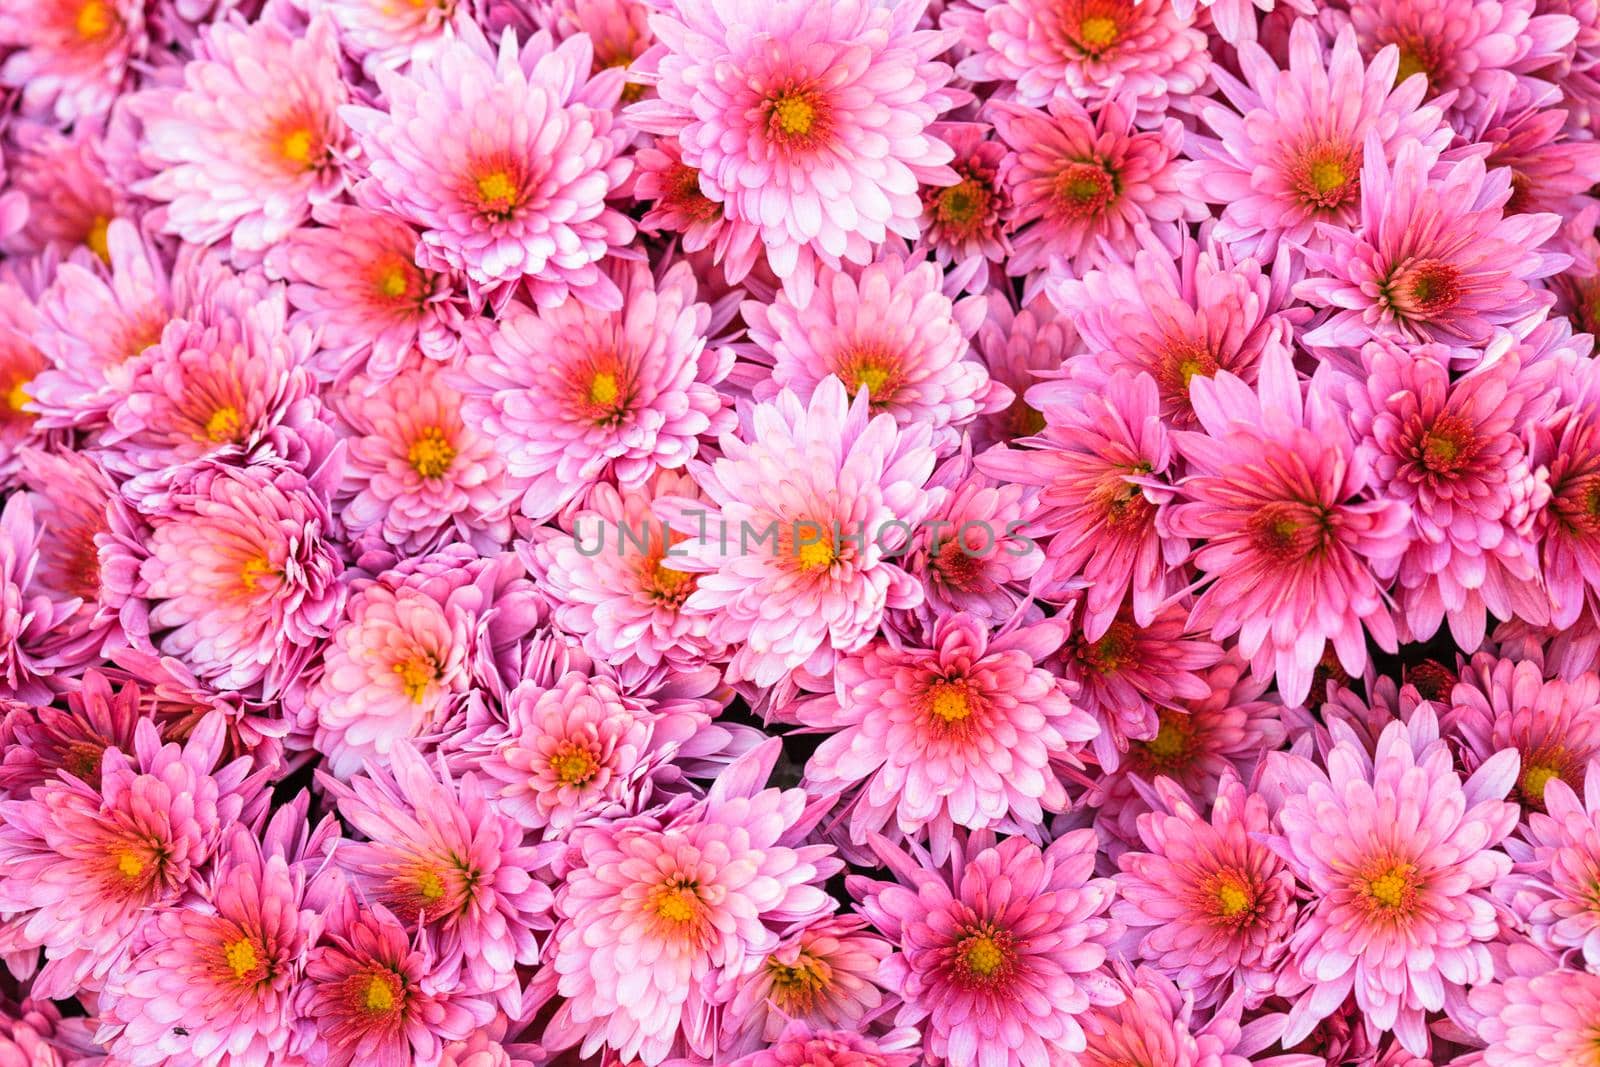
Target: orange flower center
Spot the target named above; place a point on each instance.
(948, 701)
(984, 954)
(430, 454)
(797, 987)
(95, 20)
(416, 674)
(96, 238)
(574, 766)
(255, 568)
(1423, 290)
(224, 425)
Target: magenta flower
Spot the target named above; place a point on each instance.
(1568, 446)
(811, 123)
(1001, 956)
(679, 205)
(467, 152)
(45, 744)
(965, 223)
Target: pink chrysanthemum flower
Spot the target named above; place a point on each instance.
(1209, 905)
(679, 205)
(1173, 319)
(571, 394)
(1280, 160)
(379, 996)
(29, 615)
(353, 278)
(415, 473)
(440, 855)
(1543, 1020)
(1553, 724)
(886, 329)
(1557, 858)
(1020, 347)
(1102, 463)
(21, 363)
(619, 31)
(214, 984)
(801, 1046)
(1291, 547)
(251, 139)
(1095, 50)
(385, 34)
(1398, 853)
(1550, 170)
(1126, 674)
(39, 745)
(71, 199)
(1001, 955)
(810, 122)
(652, 910)
(392, 670)
(82, 867)
(1433, 259)
(795, 543)
(1482, 53)
(466, 152)
(70, 58)
(615, 585)
(823, 975)
(243, 583)
(965, 224)
(1568, 446)
(1156, 1023)
(1084, 186)
(964, 733)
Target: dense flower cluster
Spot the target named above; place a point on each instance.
(799, 533)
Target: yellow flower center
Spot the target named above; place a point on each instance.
(815, 555)
(949, 702)
(430, 454)
(676, 904)
(416, 674)
(573, 766)
(429, 886)
(983, 956)
(796, 988)
(296, 146)
(223, 425)
(95, 19)
(1098, 31)
(129, 864)
(241, 957)
(667, 583)
(1413, 61)
(603, 389)
(1327, 176)
(96, 239)
(254, 569)
(17, 395)
(1392, 890)
(794, 115)
(1170, 746)
(392, 280)
(1535, 778)
(379, 996)
(497, 192)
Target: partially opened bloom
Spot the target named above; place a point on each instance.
(251, 139)
(45, 744)
(382, 33)
(1557, 856)
(1433, 258)
(503, 161)
(242, 582)
(803, 516)
(1001, 955)
(1291, 545)
(70, 58)
(571, 394)
(1211, 907)
(965, 223)
(679, 205)
(966, 732)
(651, 909)
(1399, 854)
(71, 199)
(1083, 186)
(809, 122)
(1542, 1020)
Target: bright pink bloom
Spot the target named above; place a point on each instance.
(572, 394)
(965, 223)
(1290, 545)
(29, 615)
(966, 732)
(1020, 347)
(1155, 1023)
(1568, 446)
(467, 151)
(800, 1046)
(1550, 170)
(654, 907)
(21, 363)
(1399, 855)
(251, 140)
(71, 199)
(1002, 954)
(70, 58)
(810, 122)
(1084, 185)
(39, 745)
(678, 204)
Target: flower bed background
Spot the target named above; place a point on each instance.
(844, 533)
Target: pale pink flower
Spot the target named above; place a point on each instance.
(251, 139)
(1019, 347)
(1084, 186)
(70, 58)
(29, 615)
(1000, 955)
(384, 34)
(1546, 1020)
(415, 473)
(70, 197)
(1155, 1023)
(1094, 50)
(967, 732)
(794, 548)
(1209, 905)
(653, 908)
(1291, 546)
(809, 122)
(1558, 857)
(571, 394)
(467, 152)
(887, 329)
(1398, 853)
(618, 30)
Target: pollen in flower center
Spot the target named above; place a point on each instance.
(1325, 175)
(392, 279)
(984, 954)
(430, 454)
(224, 425)
(1534, 780)
(17, 396)
(948, 701)
(1415, 58)
(96, 239)
(667, 585)
(1084, 189)
(416, 674)
(1392, 890)
(95, 19)
(813, 548)
(430, 886)
(1169, 748)
(574, 766)
(1425, 289)
(129, 865)
(1448, 446)
(241, 957)
(797, 987)
(793, 115)
(1114, 648)
(298, 145)
(1233, 898)
(964, 204)
(1286, 532)
(603, 389)
(380, 993)
(254, 569)
(497, 194)
(676, 903)
(1096, 33)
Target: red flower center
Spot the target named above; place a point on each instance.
(1425, 289)
(1448, 446)
(1084, 190)
(1287, 531)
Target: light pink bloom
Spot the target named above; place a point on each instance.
(1209, 905)
(1155, 1023)
(1020, 347)
(886, 329)
(1433, 258)
(1398, 853)
(251, 140)
(967, 732)
(29, 615)
(82, 866)
(1546, 1020)
(1281, 160)
(70, 197)
(1094, 50)
(619, 31)
(1550, 169)
(1291, 546)
(242, 581)
(794, 543)
(653, 908)
(415, 473)
(810, 122)
(1001, 955)
(572, 394)
(70, 58)
(384, 34)
(1557, 857)
(1083, 186)
(467, 152)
